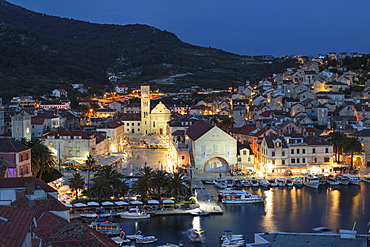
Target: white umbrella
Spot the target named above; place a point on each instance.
(107, 203)
(121, 203)
(153, 202)
(92, 204)
(68, 205)
(79, 205)
(167, 201)
(136, 202)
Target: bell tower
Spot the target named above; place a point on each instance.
(145, 109)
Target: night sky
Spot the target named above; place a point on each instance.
(259, 27)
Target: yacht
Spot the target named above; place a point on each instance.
(264, 183)
(311, 181)
(134, 213)
(281, 182)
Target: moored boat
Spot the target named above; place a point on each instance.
(234, 198)
(220, 183)
(107, 227)
(352, 179)
(145, 239)
(273, 182)
(195, 235)
(297, 182)
(333, 181)
(264, 183)
(254, 182)
(246, 183)
(134, 213)
(281, 182)
(232, 240)
(289, 182)
(311, 181)
(222, 193)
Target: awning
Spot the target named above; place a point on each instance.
(76, 162)
(121, 203)
(153, 202)
(136, 202)
(109, 160)
(107, 203)
(80, 205)
(92, 204)
(168, 201)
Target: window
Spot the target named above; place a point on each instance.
(215, 149)
(303, 151)
(292, 161)
(283, 153)
(292, 151)
(153, 124)
(249, 159)
(273, 162)
(244, 152)
(183, 157)
(273, 154)
(303, 160)
(326, 150)
(239, 159)
(313, 150)
(132, 124)
(326, 159)
(314, 160)
(278, 144)
(138, 124)
(297, 151)
(297, 160)
(283, 162)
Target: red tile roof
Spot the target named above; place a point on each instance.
(19, 182)
(37, 121)
(14, 230)
(8, 145)
(198, 129)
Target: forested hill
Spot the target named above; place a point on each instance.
(39, 53)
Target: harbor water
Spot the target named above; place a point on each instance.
(284, 210)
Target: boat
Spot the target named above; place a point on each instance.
(121, 241)
(352, 179)
(221, 193)
(134, 213)
(107, 227)
(200, 213)
(272, 182)
(333, 181)
(233, 198)
(289, 182)
(238, 183)
(230, 183)
(195, 235)
(246, 183)
(254, 182)
(311, 181)
(145, 239)
(98, 219)
(264, 183)
(281, 182)
(322, 179)
(297, 182)
(343, 179)
(232, 240)
(220, 183)
(134, 236)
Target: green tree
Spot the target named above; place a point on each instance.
(352, 145)
(42, 160)
(76, 182)
(338, 140)
(177, 187)
(100, 189)
(90, 161)
(142, 187)
(159, 181)
(112, 178)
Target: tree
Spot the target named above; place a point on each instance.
(159, 181)
(112, 178)
(90, 161)
(338, 140)
(101, 189)
(142, 187)
(42, 160)
(176, 185)
(76, 182)
(352, 145)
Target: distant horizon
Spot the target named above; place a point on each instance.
(276, 28)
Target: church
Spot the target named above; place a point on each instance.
(150, 121)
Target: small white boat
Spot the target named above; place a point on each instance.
(138, 234)
(343, 180)
(289, 182)
(232, 240)
(230, 183)
(220, 183)
(272, 182)
(333, 181)
(145, 239)
(222, 193)
(264, 183)
(121, 240)
(195, 236)
(254, 182)
(246, 183)
(297, 182)
(281, 182)
(234, 198)
(134, 213)
(352, 179)
(311, 181)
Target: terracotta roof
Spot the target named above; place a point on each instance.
(8, 145)
(62, 90)
(18, 182)
(14, 230)
(198, 129)
(37, 121)
(315, 140)
(41, 206)
(246, 129)
(270, 144)
(362, 133)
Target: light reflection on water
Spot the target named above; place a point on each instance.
(285, 209)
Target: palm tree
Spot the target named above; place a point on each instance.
(338, 140)
(112, 177)
(100, 189)
(42, 160)
(147, 172)
(142, 187)
(176, 185)
(352, 145)
(76, 182)
(159, 181)
(90, 161)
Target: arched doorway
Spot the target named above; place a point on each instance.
(357, 161)
(216, 164)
